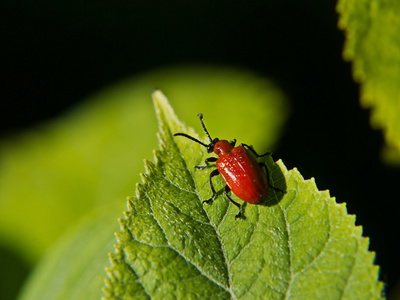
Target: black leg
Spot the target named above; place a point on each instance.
(263, 165)
(254, 151)
(207, 160)
(212, 174)
(226, 191)
(233, 142)
(269, 182)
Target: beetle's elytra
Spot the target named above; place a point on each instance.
(243, 175)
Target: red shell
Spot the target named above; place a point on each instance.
(241, 172)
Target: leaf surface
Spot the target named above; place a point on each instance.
(301, 245)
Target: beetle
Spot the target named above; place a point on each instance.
(241, 171)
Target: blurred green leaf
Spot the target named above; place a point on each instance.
(74, 268)
(54, 174)
(302, 246)
(373, 45)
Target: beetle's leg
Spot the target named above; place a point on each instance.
(212, 174)
(233, 142)
(226, 191)
(269, 183)
(263, 165)
(254, 151)
(207, 160)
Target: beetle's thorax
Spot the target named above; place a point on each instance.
(222, 147)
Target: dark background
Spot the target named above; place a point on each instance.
(52, 55)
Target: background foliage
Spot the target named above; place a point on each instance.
(373, 45)
(47, 69)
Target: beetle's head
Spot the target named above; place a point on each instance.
(211, 145)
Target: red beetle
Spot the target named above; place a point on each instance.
(241, 172)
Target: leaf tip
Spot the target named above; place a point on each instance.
(160, 102)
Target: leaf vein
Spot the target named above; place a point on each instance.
(137, 277)
(322, 250)
(348, 277)
(287, 226)
(181, 254)
(248, 242)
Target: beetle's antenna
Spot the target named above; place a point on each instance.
(192, 138)
(200, 115)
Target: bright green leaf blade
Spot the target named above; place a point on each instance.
(302, 245)
(373, 45)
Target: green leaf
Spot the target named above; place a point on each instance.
(373, 45)
(301, 245)
(74, 268)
